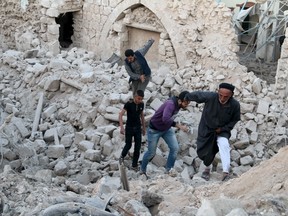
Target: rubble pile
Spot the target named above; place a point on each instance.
(59, 135)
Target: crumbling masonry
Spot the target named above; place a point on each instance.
(186, 32)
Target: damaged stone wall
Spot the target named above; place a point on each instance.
(51, 10)
(189, 32)
(31, 24)
(73, 152)
(77, 143)
(20, 24)
(197, 33)
(281, 73)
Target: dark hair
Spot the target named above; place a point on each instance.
(182, 95)
(140, 93)
(227, 86)
(129, 52)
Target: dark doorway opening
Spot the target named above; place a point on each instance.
(66, 31)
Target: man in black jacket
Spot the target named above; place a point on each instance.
(220, 114)
(138, 68)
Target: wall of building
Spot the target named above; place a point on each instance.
(192, 31)
(18, 18)
(197, 33)
(281, 84)
(272, 27)
(187, 32)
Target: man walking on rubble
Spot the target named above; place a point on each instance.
(161, 125)
(135, 127)
(138, 68)
(220, 114)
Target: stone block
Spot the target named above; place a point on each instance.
(67, 140)
(107, 148)
(60, 168)
(47, 113)
(93, 155)
(55, 151)
(263, 107)
(18, 122)
(84, 145)
(156, 103)
(217, 207)
(251, 126)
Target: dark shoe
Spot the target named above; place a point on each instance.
(121, 160)
(136, 168)
(206, 175)
(226, 177)
(172, 172)
(143, 173)
(130, 155)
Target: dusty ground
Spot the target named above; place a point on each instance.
(260, 183)
(262, 190)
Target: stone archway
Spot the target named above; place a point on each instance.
(124, 19)
(137, 37)
(134, 28)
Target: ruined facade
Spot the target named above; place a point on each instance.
(186, 32)
(262, 27)
(71, 149)
(198, 33)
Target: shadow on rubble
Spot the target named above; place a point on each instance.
(261, 68)
(115, 59)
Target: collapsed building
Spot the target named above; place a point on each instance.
(62, 86)
(192, 33)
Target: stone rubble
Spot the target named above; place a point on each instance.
(75, 149)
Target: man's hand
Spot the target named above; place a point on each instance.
(218, 130)
(142, 78)
(122, 131)
(182, 127)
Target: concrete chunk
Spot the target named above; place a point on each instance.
(21, 127)
(156, 103)
(55, 151)
(263, 107)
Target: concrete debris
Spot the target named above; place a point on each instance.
(59, 136)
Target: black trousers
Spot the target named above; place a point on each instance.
(131, 132)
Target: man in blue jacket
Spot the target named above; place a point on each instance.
(161, 125)
(138, 68)
(220, 114)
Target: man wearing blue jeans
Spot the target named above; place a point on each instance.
(160, 126)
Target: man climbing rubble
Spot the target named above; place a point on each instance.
(220, 114)
(138, 68)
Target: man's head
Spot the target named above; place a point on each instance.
(138, 97)
(129, 53)
(225, 92)
(181, 100)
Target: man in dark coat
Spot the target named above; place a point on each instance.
(220, 114)
(137, 67)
